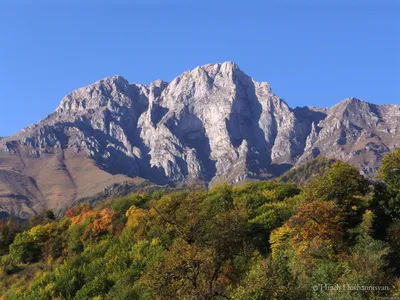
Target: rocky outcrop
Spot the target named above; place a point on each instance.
(209, 124)
(356, 132)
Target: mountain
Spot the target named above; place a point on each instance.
(209, 124)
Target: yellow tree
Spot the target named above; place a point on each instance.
(313, 231)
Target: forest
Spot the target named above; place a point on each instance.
(322, 231)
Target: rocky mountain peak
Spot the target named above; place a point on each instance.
(208, 124)
(227, 67)
(356, 113)
(348, 103)
(158, 83)
(95, 95)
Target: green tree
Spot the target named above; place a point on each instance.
(341, 183)
(393, 239)
(344, 185)
(390, 170)
(387, 196)
(8, 230)
(28, 245)
(266, 279)
(366, 264)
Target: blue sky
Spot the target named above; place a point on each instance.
(311, 52)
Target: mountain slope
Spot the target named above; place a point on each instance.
(356, 132)
(209, 124)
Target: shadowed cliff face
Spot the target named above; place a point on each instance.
(209, 124)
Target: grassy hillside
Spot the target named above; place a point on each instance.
(313, 168)
(261, 240)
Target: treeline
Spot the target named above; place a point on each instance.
(338, 237)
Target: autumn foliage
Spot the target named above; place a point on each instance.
(260, 240)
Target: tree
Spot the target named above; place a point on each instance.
(341, 183)
(365, 266)
(313, 231)
(263, 281)
(42, 218)
(122, 204)
(387, 195)
(28, 245)
(8, 230)
(49, 214)
(390, 170)
(393, 239)
(207, 234)
(97, 287)
(70, 212)
(265, 219)
(75, 239)
(188, 272)
(104, 223)
(344, 185)
(268, 204)
(135, 216)
(179, 214)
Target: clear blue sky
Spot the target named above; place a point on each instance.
(311, 52)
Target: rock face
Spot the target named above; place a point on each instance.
(212, 123)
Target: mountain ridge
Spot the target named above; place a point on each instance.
(211, 123)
